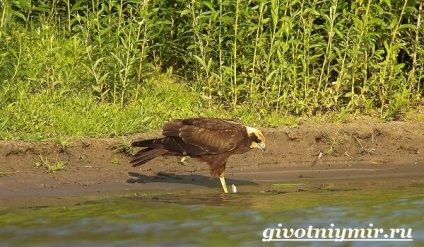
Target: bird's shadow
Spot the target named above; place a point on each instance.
(201, 180)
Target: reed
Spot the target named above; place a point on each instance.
(253, 60)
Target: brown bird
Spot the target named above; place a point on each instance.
(211, 140)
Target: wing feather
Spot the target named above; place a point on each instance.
(212, 135)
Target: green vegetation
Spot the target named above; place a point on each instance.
(57, 165)
(106, 67)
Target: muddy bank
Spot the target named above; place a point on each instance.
(361, 153)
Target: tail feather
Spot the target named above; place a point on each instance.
(147, 154)
(146, 143)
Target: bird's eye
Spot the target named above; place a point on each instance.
(257, 140)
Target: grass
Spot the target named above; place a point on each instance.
(108, 68)
(51, 116)
(53, 167)
(5, 174)
(126, 146)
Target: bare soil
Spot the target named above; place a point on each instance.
(361, 153)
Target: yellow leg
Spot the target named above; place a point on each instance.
(224, 186)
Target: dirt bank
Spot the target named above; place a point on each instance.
(362, 150)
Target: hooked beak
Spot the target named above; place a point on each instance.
(262, 147)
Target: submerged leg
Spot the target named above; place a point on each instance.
(224, 186)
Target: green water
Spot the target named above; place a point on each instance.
(214, 219)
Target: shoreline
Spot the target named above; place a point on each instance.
(355, 155)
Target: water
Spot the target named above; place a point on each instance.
(214, 219)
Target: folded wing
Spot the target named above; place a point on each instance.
(212, 136)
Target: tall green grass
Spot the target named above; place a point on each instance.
(101, 67)
(304, 57)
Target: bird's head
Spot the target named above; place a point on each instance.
(256, 138)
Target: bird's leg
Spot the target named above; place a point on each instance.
(222, 179)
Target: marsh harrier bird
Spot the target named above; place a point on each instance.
(211, 140)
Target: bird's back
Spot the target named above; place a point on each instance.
(212, 135)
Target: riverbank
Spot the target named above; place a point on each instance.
(309, 156)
